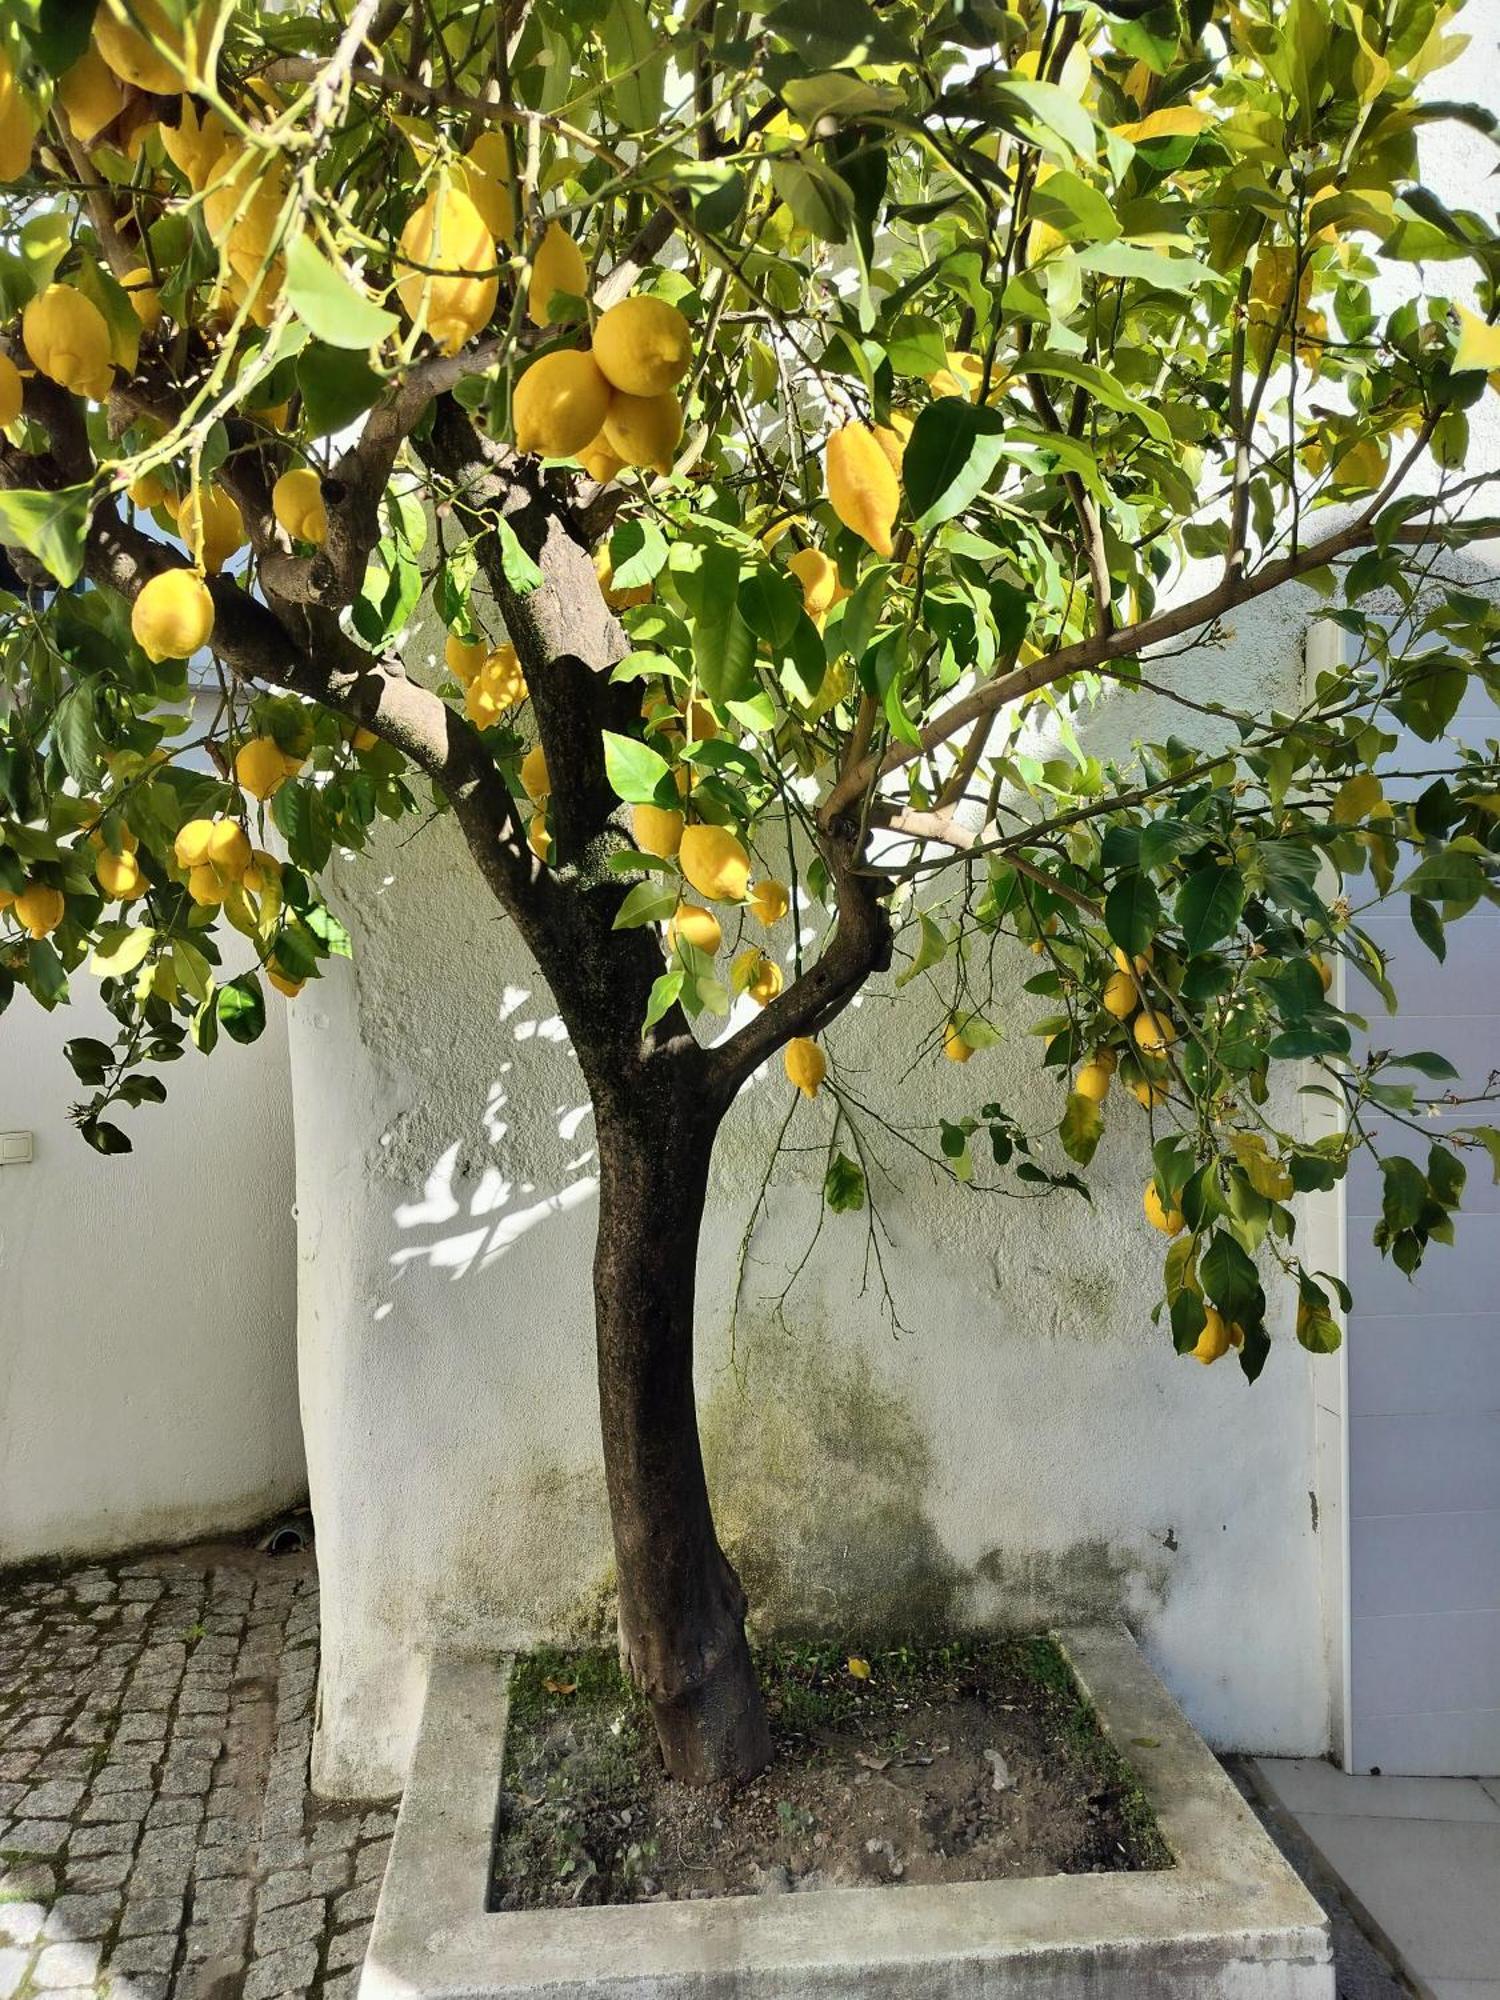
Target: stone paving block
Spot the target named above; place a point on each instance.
(59, 1800)
(20, 1923)
(13, 1966)
(103, 1871)
(74, 1916)
(357, 1902)
(281, 1972)
(294, 1923)
(369, 1863)
(37, 1836)
(146, 1916)
(70, 1964)
(347, 1947)
(144, 1954)
(111, 1837)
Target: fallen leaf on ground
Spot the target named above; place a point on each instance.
(858, 1667)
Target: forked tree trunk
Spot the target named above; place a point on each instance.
(682, 1610)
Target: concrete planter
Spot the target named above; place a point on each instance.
(1229, 1921)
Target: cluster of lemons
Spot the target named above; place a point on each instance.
(37, 907)
(615, 404)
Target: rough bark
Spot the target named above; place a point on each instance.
(682, 1609)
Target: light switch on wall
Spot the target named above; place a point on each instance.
(16, 1149)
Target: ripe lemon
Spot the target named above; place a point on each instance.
(18, 124)
(89, 92)
(537, 837)
(955, 1048)
(1168, 1220)
(498, 686)
(151, 491)
(1216, 1338)
(443, 246)
(818, 575)
(557, 267)
(194, 147)
(464, 657)
(599, 462)
(1092, 1082)
(756, 975)
(644, 430)
(261, 768)
(1154, 1033)
(769, 902)
(644, 346)
(153, 60)
(210, 522)
(656, 831)
(806, 1064)
(10, 392)
(363, 739)
(486, 174)
(1324, 971)
(1148, 1091)
(617, 599)
(695, 926)
(283, 981)
(206, 886)
(145, 299)
(560, 404)
(68, 340)
(173, 615)
(119, 876)
(297, 503)
(229, 848)
(39, 909)
(1120, 997)
(535, 779)
(263, 874)
(190, 848)
(892, 438)
(862, 488)
(715, 863)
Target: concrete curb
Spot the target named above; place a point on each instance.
(1231, 1920)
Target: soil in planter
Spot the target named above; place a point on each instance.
(954, 1763)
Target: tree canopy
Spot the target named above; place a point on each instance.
(799, 416)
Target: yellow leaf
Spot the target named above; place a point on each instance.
(560, 1687)
(859, 1668)
(1478, 343)
(1177, 121)
(1356, 799)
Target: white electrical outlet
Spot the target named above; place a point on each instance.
(16, 1149)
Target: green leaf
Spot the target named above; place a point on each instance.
(336, 387)
(1101, 386)
(706, 575)
(1132, 913)
(104, 1137)
(665, 993)
(1450, 876)
(1229, 1278)
(838, 34)
(932, 948)
(844, 1185)
(119, 951)
(1404, 1195)
(1208, 906)
(328, 302)
(950, 457)
(52, 526)
(521, 573)
(242, 1008)
(1157, 268)
(647, 903)
(821, 200)
(636, 773)
(638, 65)
(1045, 111)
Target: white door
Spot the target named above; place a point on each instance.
(1423, 1397)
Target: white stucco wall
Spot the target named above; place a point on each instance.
(1030, 1447)
(147, 1302)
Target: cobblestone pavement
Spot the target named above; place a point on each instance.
(157, 1837)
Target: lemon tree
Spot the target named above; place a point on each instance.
(797, 417)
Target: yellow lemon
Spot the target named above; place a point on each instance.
(297, 503)
(152, 53)
(89, 92)
(447, 255)
(39, 909)
(10, 392)
(229, 848)
(18, 124)
(769, 902)
(537, 837)
(1128, 964)
(557, 267)
(145, 299)
(818, 575)
(644, 430)
(1324, 971)
(190, 848)
(644, 346)
(205, 885)
(656, 831)
(536, 781)
(498, 686)
(955, 1048)
(363, 739)
(599, 462)
(1120, 998)
(68, 340)
(486, 172)
(464, 657)
(1216, 1338)
(210, 522)
(892, 438)
(194, 146)
(1154, 1033)
(560, 404)
(260, 767)
(862, 488)
(283, 981)
(806, 1064)
(1168, 1220)
(263, 873)
(1092, 1082)
(1148, 1091)
(616, 599)
(758, 976)
(119, 876)
(173, 615)
(695, 926)
(715, 863)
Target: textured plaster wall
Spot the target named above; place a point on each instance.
(147, 1303)
(1027, 1447)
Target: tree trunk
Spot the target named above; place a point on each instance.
(682, 1609)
